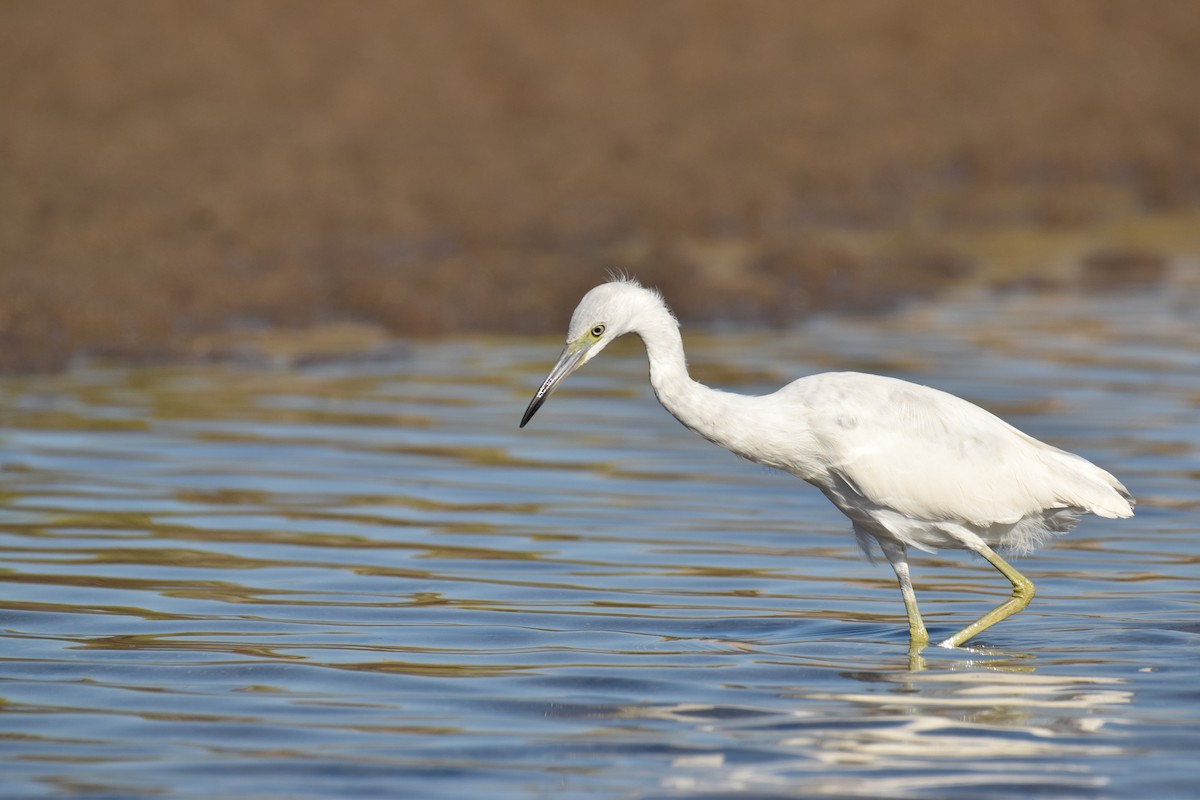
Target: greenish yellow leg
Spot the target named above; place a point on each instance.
(1021, 595)
(918, 637)
(897, 556)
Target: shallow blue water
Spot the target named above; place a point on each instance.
(360, 579)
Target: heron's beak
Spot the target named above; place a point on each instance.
(571, 359)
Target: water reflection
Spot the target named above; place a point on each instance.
(921, 735)
(359, 578)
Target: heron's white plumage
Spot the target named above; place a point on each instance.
(923, 465)
(908, 464)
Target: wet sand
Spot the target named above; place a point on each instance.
(174, 174)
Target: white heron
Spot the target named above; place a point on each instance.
(911, 466)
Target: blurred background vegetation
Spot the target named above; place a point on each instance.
(176, 171)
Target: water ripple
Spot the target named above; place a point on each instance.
(362, 579)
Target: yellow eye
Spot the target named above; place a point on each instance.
(598, 331)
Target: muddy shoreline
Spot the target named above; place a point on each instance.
(176, 173)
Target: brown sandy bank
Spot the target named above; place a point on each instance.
(172, 170)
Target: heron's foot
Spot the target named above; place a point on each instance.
(918, 640)
(1022, 593)
(918, 637)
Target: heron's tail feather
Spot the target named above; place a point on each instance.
(1092, 489)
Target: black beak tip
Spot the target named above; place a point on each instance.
(534, 405)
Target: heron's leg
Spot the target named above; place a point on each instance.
(1022, 593)
(897, 556)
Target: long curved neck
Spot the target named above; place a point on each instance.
(708, 412)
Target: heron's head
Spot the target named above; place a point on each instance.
(606, 312)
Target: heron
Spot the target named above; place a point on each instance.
(910, 465)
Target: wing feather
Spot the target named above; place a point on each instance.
(933, 456)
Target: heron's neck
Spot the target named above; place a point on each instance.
(706, 411)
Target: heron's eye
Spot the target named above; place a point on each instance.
(598, 331)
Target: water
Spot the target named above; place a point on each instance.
(360, 579)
